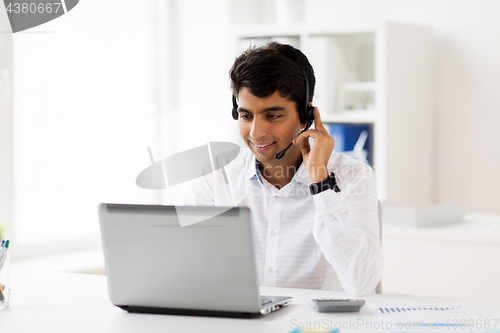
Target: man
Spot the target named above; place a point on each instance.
(315, 212)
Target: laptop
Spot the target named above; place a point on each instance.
(207, 268)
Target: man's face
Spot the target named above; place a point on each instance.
(268, 125)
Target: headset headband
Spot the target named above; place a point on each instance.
(306, 112)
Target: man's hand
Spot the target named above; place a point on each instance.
(316, 159)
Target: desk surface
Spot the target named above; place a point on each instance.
(66, 302)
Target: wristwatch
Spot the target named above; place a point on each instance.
(328, 184)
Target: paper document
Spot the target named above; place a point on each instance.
(425, 313)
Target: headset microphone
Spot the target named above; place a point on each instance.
(279, 155)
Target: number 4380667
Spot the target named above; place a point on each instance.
(33, 8)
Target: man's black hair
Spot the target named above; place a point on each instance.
(274, 67)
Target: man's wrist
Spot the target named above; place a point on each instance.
(319, 175)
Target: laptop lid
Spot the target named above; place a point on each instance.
(151, 261)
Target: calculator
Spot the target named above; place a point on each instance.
(336, 305)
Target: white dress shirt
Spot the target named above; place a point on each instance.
(325, 241)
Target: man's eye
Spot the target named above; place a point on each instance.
(274, 116)
(244, 117)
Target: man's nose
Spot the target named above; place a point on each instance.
(259, 128)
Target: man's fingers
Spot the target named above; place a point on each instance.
(305, 150)
(303, 142)
(298, 140)
(317, 120)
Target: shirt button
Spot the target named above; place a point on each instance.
(270, 270)
(273, 232)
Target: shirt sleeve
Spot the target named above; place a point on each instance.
(346, 229)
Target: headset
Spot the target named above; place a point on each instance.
(305, 115)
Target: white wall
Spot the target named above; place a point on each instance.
(6, 115)
(204, 54)
(467, 105)
(83, 85)
(196, 52)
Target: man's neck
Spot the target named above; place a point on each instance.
(280, 174)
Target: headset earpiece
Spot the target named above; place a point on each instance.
(310, 116)
(235, 108)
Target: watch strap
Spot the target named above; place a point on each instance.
(328, 184)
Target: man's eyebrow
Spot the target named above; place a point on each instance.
(270, 109)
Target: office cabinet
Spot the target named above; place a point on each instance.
(455, 261)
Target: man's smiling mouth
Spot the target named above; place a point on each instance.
(262, 147)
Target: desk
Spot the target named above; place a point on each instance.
(67, 302)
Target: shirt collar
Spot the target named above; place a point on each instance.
(251, 168)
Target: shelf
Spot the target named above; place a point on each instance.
(355, 116)
(357, 96)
